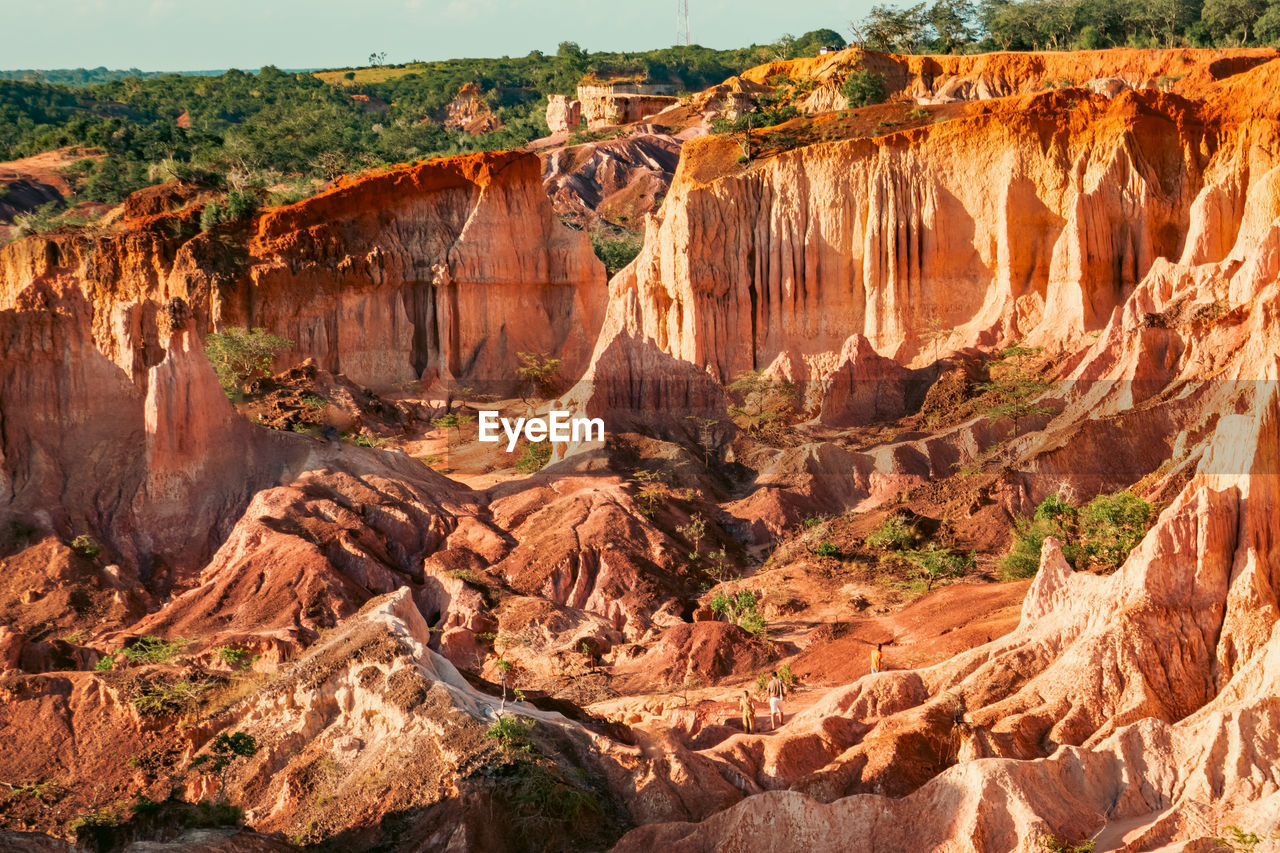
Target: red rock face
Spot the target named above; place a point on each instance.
(409, 274)
(439, 290)
(877, 237)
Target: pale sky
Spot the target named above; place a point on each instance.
(174, 35)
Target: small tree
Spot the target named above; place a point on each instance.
(240, 355)
(534, 457)
(741, 609)
(539, 371)
(864, 88)
(706, 435)
(766, 403)
(935, 333)
(224, 750)
(693, 532)
(720, 567)
(1013, 393)
(505, 668)
(651, 491)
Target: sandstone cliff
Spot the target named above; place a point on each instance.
(412, 273)
(1026, 219)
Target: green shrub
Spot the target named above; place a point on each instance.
(471, 577)
(827, 549)
(240, 355)
(1099, 535)
(1054, 844)
(105, 664)
(211, 216)
(158, 699)
(933, 564)
(84, 546)
(150, 649)
(43, 218)
(1023, 559)
(241, 204)
(95, 820)
(233, 657)
(787, 677)
(534, 458)
(615, 253)
(209, 815)
(539, 371)
(863, 88)
(753, 623)
(511, 733)
(1240, 841)
(741, 609)
(894, 533)
(360, 439)
(445, 422)
(1111, 526)
(224, 749)
(291, 194)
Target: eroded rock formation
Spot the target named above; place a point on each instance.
(388, 278)
(369, 620)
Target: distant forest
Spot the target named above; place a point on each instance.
(86, 76)
(274, 128)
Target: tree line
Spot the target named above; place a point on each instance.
(277, 127)
(962, 26)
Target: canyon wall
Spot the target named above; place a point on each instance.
(454, 266)
(1028, 219)
(447, 269)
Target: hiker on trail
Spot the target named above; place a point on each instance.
(748, 709)
(776, 690)
(877, 657)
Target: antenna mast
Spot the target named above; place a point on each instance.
(682, 22)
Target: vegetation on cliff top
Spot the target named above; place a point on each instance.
(960, 26)
(272, 126)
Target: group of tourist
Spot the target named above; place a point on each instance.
(776, 691)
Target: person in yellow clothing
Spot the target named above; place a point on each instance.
(877, 657)
(748, 709)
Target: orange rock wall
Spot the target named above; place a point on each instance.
(1031, 218)
(452, 267)
(446, 269)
